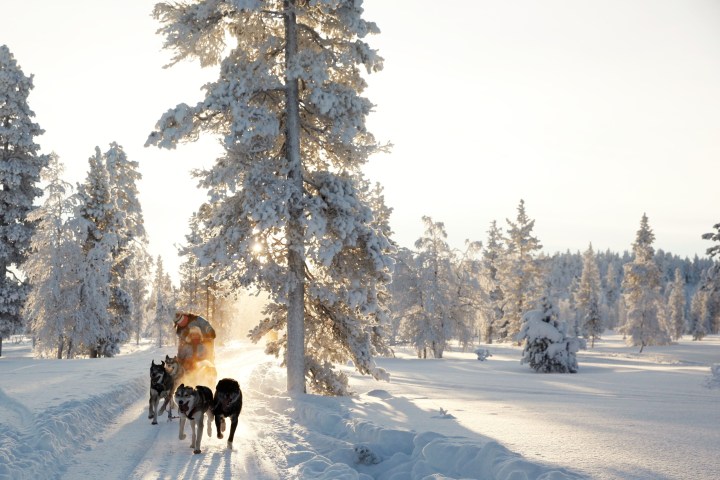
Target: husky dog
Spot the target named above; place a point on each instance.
(227, 403)
(193, 404)
(174, 368)
(161, 387)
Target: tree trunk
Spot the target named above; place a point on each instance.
(60, 347)
(295, 349)
(1, 346)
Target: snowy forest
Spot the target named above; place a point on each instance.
(291, 216)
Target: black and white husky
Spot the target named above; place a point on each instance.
(227, 403)
(161, 387)
(193, 404)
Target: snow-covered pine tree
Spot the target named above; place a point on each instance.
(713, 251)
(699, 315)
(443, 312)
(492, 298)
(111, 223)
(467, 305)
(641, 293)
(521, 274)
(402, 292)
(676, 306)
(191, 274)
(162, 305)
(710, 282)
(20, 166)
(587, 298)
(288, 209)
(547, 348)
(136, 283)
(51, 268)
(97, 224)
(123, 176)
(200, 291)
(612, 293)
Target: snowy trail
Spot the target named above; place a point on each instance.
(131, 448)
(622, 417)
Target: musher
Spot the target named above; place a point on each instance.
(196, 340)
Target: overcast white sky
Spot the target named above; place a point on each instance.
(593, 112)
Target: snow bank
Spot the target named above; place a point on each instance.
(342, 447)
(39, 446)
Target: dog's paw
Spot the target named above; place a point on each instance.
(182, 436)
(219, 435)
(229, 445)
(196, 451)
(154, 422)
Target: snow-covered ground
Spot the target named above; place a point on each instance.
(623, 416)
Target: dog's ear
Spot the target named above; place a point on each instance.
(153, 362)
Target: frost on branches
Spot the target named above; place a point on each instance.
(547, 347)
(641, 286)
(288, 209)
(20, 165)
(52, 269)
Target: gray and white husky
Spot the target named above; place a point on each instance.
(194, 404)
(161, 387)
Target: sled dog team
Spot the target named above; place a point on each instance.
(193, 403)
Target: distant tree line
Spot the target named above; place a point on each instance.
(484, 292)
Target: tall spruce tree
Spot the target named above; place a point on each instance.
(162, 305)
(288, 208)
(587, 298)
(191, 274)
(642, 296)
(52, 267)
(443, 313)
(129, 228)
(492, 302)
(522, 275)
(710, 283)
(700, 315)
(612, 293)
(20, 166)
(98, 226)
(136, 282)
(676, 306)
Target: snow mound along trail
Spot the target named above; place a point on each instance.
(325, 442)
(41, 445)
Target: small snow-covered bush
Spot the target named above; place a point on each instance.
(482, 354)
(547, 347)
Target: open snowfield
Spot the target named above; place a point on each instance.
(623, 416)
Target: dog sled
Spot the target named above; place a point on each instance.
(196, 349)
